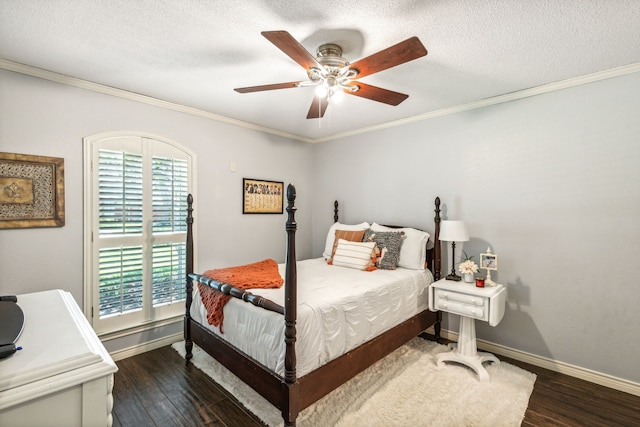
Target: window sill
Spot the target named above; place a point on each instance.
(107, 336)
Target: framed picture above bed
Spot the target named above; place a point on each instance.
(261, 196)
(31, 191)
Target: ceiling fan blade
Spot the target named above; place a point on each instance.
(318, 107)
(378, 94)
(267, 87)
(290, 46)
(400, 53)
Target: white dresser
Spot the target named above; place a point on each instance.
(63, 376)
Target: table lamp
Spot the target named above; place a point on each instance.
(453, 231)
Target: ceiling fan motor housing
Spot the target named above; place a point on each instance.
(330, 55)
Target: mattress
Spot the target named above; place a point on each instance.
(339, 309)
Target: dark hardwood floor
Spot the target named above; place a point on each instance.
(157, 389)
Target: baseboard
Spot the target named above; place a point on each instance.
(554, 365)
(146, 346)
(543, 362)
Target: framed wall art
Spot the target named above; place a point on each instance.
(262, 197)
(31, 191)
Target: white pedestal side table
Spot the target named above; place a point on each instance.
(471, 303)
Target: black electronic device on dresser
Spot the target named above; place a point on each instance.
(11, 325)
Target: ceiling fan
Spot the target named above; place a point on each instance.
(333, 75)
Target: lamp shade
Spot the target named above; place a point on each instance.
(453, 231)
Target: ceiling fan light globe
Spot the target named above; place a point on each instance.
(322, 91)
(337, 96)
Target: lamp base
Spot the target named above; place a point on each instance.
(454, 277)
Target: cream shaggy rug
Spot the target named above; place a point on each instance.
(404, 389)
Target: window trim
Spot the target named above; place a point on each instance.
(88, 255)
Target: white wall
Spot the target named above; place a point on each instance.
(551, 183)
(40, 117)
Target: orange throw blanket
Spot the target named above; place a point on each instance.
(263, 274)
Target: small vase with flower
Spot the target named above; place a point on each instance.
(467, 268)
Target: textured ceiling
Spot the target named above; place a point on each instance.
(194, 52)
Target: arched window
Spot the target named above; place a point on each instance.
(136, 187)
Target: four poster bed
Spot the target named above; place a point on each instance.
(347, 318)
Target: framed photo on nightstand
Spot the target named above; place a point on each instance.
(489, 261)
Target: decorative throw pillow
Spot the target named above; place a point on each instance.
(389, 244)
(413, 249)
(350, 235)
(354, 255)
(328, 246)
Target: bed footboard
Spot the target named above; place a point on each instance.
(246, 296)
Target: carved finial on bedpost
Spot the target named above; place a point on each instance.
(189, 288)
(291, 407)
(335, 211)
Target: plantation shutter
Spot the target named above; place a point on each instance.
(169, 194)
(169, 212)
(120, 186)
(120, 214)
(138, 250)
(120, 280)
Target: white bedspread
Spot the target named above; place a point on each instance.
(338, 309)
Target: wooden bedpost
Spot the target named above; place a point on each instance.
(437, 256)
(291, 399)
(437, 249)
(189, 288)
(335, 211)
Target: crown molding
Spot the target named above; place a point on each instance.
(500, 99)
(108, 90)
(121, 93)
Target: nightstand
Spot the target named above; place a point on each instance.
(471, 303)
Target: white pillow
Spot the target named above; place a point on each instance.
(353, 254)
(331, 235)
(413, 249)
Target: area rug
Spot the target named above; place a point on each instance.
(404, 389)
